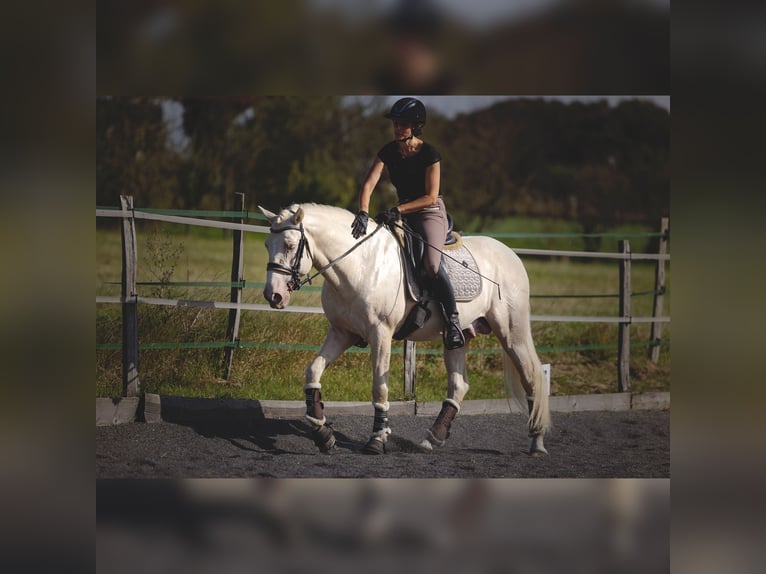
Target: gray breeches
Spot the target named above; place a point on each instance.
(431, 224)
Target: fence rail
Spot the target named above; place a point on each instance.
(243, 284)
(130, 299)
(238, 344)
(318, 310)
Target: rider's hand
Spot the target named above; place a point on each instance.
(359, 227)
(388, 216)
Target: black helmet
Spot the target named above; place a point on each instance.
(409, 110)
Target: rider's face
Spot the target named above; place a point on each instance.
(402, 129)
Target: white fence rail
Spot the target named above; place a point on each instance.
(319, 310)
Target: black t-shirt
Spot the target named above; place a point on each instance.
(408, 174)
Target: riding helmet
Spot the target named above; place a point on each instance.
(410, 110)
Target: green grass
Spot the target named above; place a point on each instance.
(525, 225)
(279, 374)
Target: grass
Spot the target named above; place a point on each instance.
(168, 252)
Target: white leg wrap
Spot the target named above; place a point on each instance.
(316, 422)
(308, 386)
(380, 434)
(381, 407)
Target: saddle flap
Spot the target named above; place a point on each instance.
(458, 260)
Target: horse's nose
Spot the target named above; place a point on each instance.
(275, 299)
(267, 293)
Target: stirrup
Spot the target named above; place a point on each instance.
(450, 342)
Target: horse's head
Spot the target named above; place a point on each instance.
(289, 255)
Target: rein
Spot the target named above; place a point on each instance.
(295, 282)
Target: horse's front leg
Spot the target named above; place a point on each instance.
(380, 348)
(335, 343)
(457, 387)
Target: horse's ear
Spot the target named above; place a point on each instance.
(268, 214)
(299, 215)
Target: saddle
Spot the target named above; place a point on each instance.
(413, 247)
(460, 265)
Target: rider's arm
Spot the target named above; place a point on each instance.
(373, 176)
(433, 177)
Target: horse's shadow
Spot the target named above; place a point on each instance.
(243, 424)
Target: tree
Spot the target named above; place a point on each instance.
(529, 157)
(132, 157)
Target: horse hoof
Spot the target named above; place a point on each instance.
(324, 438)
(426, 445)
(374, 446)
(536, 446)
(434, 441)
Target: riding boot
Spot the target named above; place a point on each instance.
(441, 288)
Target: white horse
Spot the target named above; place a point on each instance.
(365, 300)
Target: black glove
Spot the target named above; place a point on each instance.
(359, 227)
(388, 216)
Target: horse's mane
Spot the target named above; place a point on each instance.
(320, 209)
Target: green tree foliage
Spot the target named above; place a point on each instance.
(588, 162)
(132, 156)
(593, 163)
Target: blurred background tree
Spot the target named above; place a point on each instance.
(597, 164)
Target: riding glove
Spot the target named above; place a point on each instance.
(359, 227)
(388, 216)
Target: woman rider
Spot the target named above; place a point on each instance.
(414, 169)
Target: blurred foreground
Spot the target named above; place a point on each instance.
(193, 526)
(390, 47)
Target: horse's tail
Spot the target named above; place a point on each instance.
(539, 416)
(513, 386)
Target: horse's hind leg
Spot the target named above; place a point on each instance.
(457, 387)
(537, 422)
(335, 343)
(516, 338)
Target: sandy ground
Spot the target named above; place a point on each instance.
(630, 444)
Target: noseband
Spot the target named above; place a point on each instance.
(294, 271)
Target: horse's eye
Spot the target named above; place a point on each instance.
(289, 245)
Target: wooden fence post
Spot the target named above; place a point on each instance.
(237, 276)
(410, 368)
(659, 293)
(131, 385)
(623, 339)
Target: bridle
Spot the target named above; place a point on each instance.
(294, 271)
